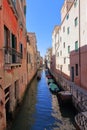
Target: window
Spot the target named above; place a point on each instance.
(64, 29)
(68, 30)
(25, 10)
(68, 49)
(6, 37)
(76, 21)
(64, 60)
(58, 54)
(14, 48)
(21, 49)
(64, 44)
(14, 42)
(75, 3)
(67, 16)
(76, 66)
(76, 46)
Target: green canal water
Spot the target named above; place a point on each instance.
(41, 110)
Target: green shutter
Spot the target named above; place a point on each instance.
(76, 21)
(67, 16)
(68, 30)
(76, 46)
(75, 3)
(68, 49)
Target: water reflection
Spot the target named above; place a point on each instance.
(42, 111)
(23, 119)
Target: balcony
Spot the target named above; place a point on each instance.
(11, 57)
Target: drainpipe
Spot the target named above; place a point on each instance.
(79, 44)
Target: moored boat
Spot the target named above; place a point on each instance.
(54, 88)
(38, 76)
(50, 81)
(49, 76)
(65, 96)
(46, 72)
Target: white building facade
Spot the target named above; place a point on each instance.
(69, 38)
(67, 35)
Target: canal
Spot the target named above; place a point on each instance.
(41, 110)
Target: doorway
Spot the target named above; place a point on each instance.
(72, 74)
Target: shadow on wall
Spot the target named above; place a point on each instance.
(78, 65)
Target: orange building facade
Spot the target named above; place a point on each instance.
(13, 67)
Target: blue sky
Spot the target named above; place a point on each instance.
(41, 17)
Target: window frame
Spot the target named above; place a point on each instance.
(76, 69)
(76, 21)
(64, 45)
(75, 3)
(69, 49)
(68, 30)
(76, 46)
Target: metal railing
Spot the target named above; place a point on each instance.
(83, 105)
(81, 121)
(11, 56)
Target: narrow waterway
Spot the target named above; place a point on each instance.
(41, 110)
